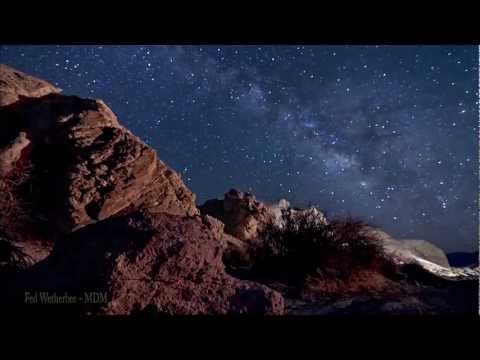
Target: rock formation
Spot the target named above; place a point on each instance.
(87, 207)
(423, 254)
(241, 213)
(15, 85)
(245, 217)
(107, 213)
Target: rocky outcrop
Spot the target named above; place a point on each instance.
(11, 154)
(425, 256)
(100, 168)
(15, 85)
(181, 266)
(241, 213)
(426, 250)
(88, 208)
(407, 250)
(245, 217)
(113, 218)
(158, 264)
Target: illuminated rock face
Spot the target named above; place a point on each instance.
(245, 217)
(14, 85)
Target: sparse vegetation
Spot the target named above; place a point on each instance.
(14, 205)
(11, 255)
(14, 213)
(304, 248)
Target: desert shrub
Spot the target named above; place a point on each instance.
(11, 255)
(14, 200)
(303, 247)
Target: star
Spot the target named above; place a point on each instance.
(375, 131)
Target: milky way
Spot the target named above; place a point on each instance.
(385, 133)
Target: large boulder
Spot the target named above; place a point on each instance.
(181, 265)
(241, 213)
(100, 212)
(159, 264)
(100, 167)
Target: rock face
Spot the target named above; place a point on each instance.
(14, 85)
(244, 216)
(426, 250)
(12, 153)
(425, 256)
(115, 218)
(241, 213)
(183, 263)
(101, 167)
(158, 264)
(407, 250)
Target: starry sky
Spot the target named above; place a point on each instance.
(385, 133)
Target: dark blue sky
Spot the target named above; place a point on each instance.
(386, 133)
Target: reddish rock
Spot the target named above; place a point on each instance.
(245, 217)
(241, 213)
(101, 168)
(114, 218)
(158, 264)
(14, 85)
(180, 271)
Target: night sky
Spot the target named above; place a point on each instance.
(386, 133)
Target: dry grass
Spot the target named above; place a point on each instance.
(304, 249)
(11, 255)
(15, 208)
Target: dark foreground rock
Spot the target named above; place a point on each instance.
(454, 298)
(163, 265)
(91, 208)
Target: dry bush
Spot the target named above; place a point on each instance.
(11, 255)
(14, 204)
(304, 248)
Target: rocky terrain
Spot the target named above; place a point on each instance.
(98, 211)
(424, 283)
(87, 207)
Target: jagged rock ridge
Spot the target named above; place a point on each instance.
(245, 217)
